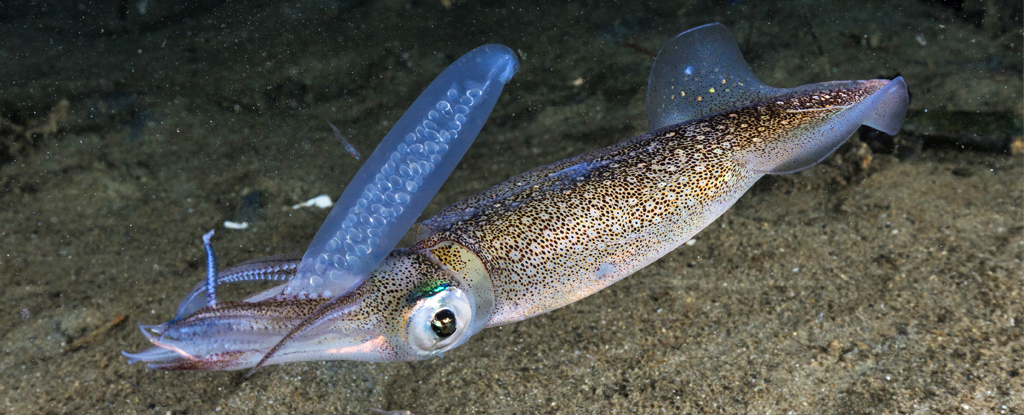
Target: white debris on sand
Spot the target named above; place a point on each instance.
(322, 202)
(236, 225)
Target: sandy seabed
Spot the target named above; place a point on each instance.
(880, 281)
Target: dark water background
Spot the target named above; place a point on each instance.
(887, 279)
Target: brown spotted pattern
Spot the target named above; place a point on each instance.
(557, 234)
(449, 256)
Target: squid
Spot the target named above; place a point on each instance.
(529, 245)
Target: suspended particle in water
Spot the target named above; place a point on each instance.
(348, 146)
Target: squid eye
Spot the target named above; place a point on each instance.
(440, 322)
(443, 324)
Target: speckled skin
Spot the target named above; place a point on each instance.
(537, 242)
(554, 235)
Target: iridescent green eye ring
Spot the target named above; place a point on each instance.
(427, 288)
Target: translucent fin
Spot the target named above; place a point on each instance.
(889, 107)
(883, 109)
(397, 181)
(275, 268)
(698, 73)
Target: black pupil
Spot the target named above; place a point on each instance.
(443, 323)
